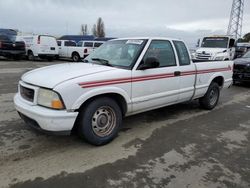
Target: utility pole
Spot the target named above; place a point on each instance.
(236, 19)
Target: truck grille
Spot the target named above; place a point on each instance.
(27, 93)
(202, 56)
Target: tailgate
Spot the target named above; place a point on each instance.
(6, 45)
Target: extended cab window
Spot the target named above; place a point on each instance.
(163, 51)
(88, 44)
(182, 52)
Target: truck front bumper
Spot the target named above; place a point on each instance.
(241, 77)
(44, 119)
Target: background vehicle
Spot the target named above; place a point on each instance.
(241, 49)
(76, 52)
(40, 46)
(69, 49)
(241, 69)
(216, 48)
(124, 77)
(78, 38)
(89, 46)
(11, 48)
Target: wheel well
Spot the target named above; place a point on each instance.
(29, 51)
(219, 80)
(117, 97)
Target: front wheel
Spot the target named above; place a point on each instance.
(211, 98)
(99, 121)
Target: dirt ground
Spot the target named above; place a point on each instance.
(177, 146)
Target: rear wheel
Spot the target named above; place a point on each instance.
(211, 98)
(99, 121)
(31, 56)
(75, 57)
(50, 59)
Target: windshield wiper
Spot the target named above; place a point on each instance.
(102, 61)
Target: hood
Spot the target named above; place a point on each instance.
(51, 76)
(242, 61)
(211, 50)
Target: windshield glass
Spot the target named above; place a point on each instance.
(215, 42)
(118, 53)
(247, 55)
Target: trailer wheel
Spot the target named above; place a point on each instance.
(99, 121)
(31, 56)
(75, 57)
(211, 98)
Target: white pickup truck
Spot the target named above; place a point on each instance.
(121, 78)
(69, 49)
(76, 52)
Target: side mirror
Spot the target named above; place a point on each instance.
(150, 62)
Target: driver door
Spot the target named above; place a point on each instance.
(156, 87)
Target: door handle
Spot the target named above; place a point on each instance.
(177, 73)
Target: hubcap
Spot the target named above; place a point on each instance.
(103, 121)
(75, 58)
(213, 96)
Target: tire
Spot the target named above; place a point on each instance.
(99, 122)
(50, 59)
(211, 98)
(17, 57)
(75, 57)
(31, 56)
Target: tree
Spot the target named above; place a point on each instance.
(84, 29)
(98, 29)
(246, 37)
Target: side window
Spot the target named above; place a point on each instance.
(182, 52)
(59, 43)
(88, 44)
(79, 44)
(163, 51)
(231, 43)
(97, 44)
(69, 43)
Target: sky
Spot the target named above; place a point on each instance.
(183, 19)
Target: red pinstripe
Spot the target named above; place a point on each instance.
(145, 78)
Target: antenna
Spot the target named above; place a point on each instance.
(236, 19)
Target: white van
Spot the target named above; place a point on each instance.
(40, 46)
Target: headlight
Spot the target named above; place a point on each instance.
(50, 99)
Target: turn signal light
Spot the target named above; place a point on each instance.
(57, 104)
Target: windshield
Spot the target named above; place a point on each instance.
(215, 42)
(118, 53)
(247, 55)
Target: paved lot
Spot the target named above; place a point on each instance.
(177, 146)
